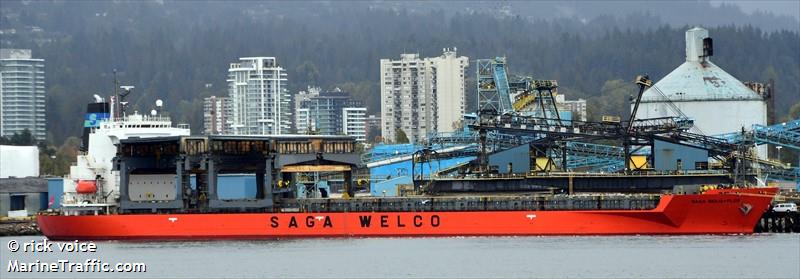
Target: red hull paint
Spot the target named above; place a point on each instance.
(715, 212)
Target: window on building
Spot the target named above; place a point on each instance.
(17, 202)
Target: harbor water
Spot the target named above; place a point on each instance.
(727, 256)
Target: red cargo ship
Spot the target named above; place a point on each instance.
(723, 211)
(145, 194)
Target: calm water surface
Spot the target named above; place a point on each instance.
(751, 256)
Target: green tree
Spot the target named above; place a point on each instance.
(794, 112)
(307, 73)
(365, 91)
(614, 100)
(400, 136)
(373, 134)
(24, 138)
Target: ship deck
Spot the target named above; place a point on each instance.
(479, 203)
(494, 202)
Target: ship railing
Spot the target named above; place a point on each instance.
(572, 174)
(480, 203)
(139, 121)
(641, 173)
(142, 118)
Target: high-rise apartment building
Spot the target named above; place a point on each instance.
(422, 96)
(216, 115)
(22, 94)
(259, 97)
(406, 101)
(450, 91)
(329, 113)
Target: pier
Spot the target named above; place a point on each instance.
(778, 222)
(14, 227)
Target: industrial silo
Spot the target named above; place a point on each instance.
(716, 101)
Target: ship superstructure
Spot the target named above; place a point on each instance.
(92, 185)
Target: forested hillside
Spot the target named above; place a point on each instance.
(180, 51)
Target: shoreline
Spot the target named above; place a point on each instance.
(19, 227)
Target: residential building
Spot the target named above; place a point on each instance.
(422, 96)
(406, 88)
(22, 94)
(259, 97)
(354, 122)
(303, 124)
(450, 90)
(216, 115)
(577, 107)
(301, 115)
(329, 113)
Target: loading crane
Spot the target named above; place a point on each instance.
(644, 82)
(634, 134)
(538, 99)
(493, 87)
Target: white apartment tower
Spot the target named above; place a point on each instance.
(450, 90)
(354, 122)
(22, 93)
(259, 97)
(422, 96)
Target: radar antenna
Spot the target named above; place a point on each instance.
(127, 91)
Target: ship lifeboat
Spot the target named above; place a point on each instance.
(86, 187)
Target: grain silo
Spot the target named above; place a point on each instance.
(716, 101)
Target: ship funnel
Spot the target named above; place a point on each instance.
(95, 113)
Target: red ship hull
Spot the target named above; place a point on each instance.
(714, 212)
